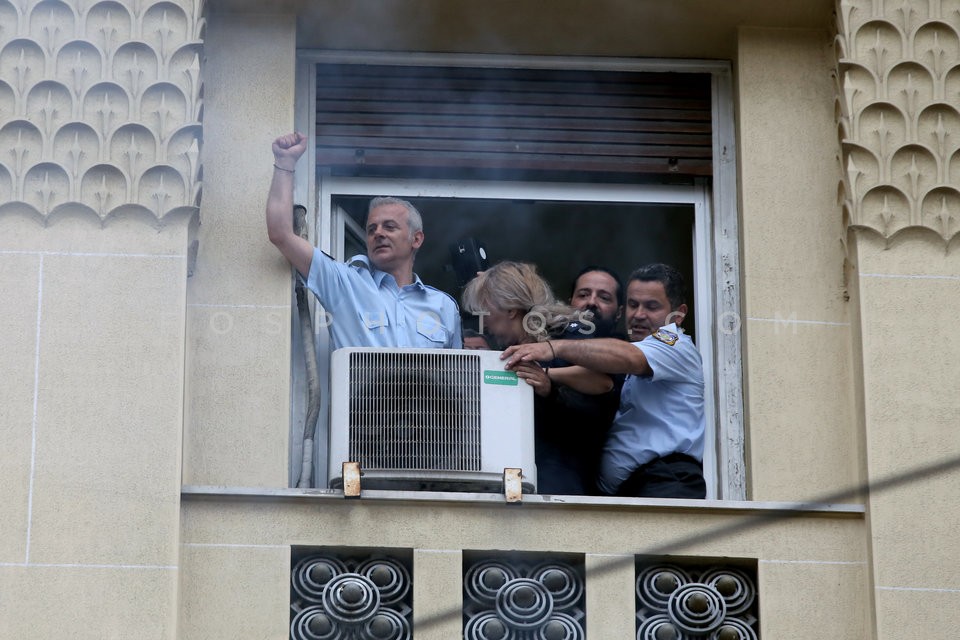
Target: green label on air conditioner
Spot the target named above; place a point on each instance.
(500, 377)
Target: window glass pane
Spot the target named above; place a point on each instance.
(560, 237)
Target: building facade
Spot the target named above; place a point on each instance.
(150, 414)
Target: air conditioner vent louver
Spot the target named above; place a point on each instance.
(429, 419)
(414, 410)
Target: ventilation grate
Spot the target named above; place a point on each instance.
(690, 601)
(415, 411)
(523, 596)
(349, 595)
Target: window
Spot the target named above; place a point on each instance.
(621, 212)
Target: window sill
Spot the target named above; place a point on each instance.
(796, 509)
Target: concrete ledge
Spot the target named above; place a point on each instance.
(725, 507)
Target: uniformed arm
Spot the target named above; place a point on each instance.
(599, 354)
(456, 338)
(287, 149)
(581, 379)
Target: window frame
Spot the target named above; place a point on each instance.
(716, 250)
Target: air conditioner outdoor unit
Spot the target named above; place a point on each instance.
(429, 419)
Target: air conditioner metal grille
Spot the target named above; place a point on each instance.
(415, 410)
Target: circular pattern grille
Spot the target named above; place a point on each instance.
(521, 601)
(386, 624)
(735, 586)
(733, 629)
(696, 608)
(524, 603)
(336, 598)
(484, 579)
(659, 627)
(487, 626)
(391, 578)
(684, 603)
(311, 575)
(656, 584)
(351, 599)
(313, 624)
(561, 581)
(561, 626)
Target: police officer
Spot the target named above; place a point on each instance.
(655, 445)
(375, 300)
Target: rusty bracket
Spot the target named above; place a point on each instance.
(351, 479)
(512, 485)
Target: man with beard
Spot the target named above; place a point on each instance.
(599, 290)
(655, 445)
(586, 418)
(374, 300)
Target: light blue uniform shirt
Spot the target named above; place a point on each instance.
(659, 414)
(367, 309)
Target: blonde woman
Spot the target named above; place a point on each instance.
(516, 306)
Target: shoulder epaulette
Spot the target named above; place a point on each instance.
(666, 337)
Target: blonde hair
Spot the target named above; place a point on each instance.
(509, 286)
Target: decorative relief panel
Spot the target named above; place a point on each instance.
(101, 104)
(513, 597)
(350, 596)
(690, 602)
(898, 95)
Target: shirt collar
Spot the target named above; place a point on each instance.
(361, 260)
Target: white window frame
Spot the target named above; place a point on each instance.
(716, 229)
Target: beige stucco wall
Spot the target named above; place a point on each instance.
(98, 184)
(799, 402)
(238, 371)
(907, 289)
(811, 563)
(93, 330)
(897, 77)
(639, 28)
(113, 360)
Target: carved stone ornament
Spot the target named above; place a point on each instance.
(681, 603)
(337, 597)
(101, 103)
(508, 598)
(898, 92)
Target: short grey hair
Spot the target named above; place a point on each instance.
(414, 219)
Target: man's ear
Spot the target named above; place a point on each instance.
(677, 315)
(619, 313)
(417, 239)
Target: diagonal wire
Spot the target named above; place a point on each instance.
(753, 521)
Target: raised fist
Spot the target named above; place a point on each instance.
(288, 148)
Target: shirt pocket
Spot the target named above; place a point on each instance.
(433, 332)
(374, 320)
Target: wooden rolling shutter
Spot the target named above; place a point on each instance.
(414, 120)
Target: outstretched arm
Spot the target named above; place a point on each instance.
(287, 149)
(581, 379)
(576, 377)
(599, 354)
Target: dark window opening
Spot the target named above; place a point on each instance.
(559, 237)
